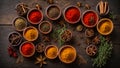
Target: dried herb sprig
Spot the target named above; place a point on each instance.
(57, 33)
(104, 53)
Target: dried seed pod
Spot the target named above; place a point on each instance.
(40, 47)
(87, 6)
(79, 28)
(89, 33)
(96, 40)
(50, 1)
(91, 50)
(38, 6)
(79, 4)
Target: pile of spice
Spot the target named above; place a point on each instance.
(53, 12)
(15, 38)
(67, 54)
(35, 16)
(89, 18)
(30, 34)
(27, 48)
(72, 14)
(105, 27)
(45, 27)
(51, 52)
(20, 23)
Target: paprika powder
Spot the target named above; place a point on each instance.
(72, 15)
(27, 49)
(90, 18)
(35, 16)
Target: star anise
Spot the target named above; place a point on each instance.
(46, 39)
(41, 60)
(96, 40)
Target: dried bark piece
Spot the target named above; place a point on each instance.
(79, 4)
(87, 6)
(50, 1)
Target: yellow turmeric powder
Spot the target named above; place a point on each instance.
(68, 54)
(52, 52)
(105, 27)
(31, 34)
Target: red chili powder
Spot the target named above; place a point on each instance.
(35, 16)
(27, 48)
(72, 14)
(87, 18)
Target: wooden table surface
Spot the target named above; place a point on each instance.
(8, 13)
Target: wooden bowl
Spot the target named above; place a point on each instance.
(98, 10)
(66, 38)
(69, 58)
(20, 49)
(26, 29)
(89, 32)
(41, 25)
(51, 6)
(92, 25)
(109, 23)
(19, 40)
(20, 24)
(66, 9)
(34, 14)
(40, 47)
(91, 50)
(48, 48)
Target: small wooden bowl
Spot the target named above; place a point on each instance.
(30, 27)
(47, 10)
(70, 37)
(22, 9)
(20, 39)
(101, 22)
(98, 10)
(19, 23)
(86, 13)
(88, 31)
(34, 22)
(91, 50)
(71, 6)
(63, 49)
(50, 46)
(22, 52)
(41, 25)
(40, 47)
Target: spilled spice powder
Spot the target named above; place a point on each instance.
(72, 14)
(35, 16)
